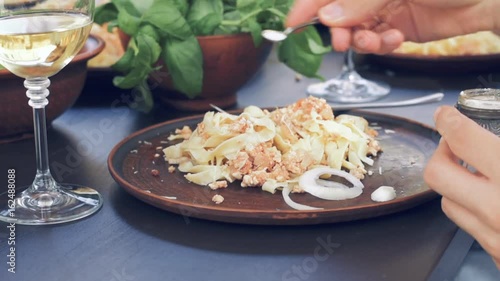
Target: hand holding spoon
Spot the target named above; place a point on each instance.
(278, 36)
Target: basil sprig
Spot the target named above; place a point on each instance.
(167, 29)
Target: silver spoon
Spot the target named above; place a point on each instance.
(421, 100)
(277, 36)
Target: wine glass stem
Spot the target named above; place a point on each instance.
(38, 93)
(349, 63)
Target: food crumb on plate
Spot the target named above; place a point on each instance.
(370, 172)
(218, 184)
(298, 77)
(155, 173)
(383, 194)
(217, 199)
(388, 131)
(171, 169)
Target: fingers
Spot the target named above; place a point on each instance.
(448, 178)
(304, 10)
(497, 262)
(488, 238)
(341, 39)
(346, 13)
(470, 142)
(367, 41)
(381, 40)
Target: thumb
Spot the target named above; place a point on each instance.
(349, 13)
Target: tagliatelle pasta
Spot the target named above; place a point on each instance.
(479, 43)
(272, 149)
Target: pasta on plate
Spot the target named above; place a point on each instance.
(480, 43)
(272, 149)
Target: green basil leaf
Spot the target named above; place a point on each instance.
(315, 42)
(266, 4)
(283, 5)
(228, 7)
(269, 20)
(168, 19)
(143, 5)
(207, 25)
(105, 13)
(124, 64)
(134, 77)
(147, 52)
(182, 6)
(205, 16)
(129, 17)
(316, 46)
(277, 12)
(151, 31)
(295, 53)
(256, 32)
(112, 24)
(143, 99)
(232, 15)
(152, 45)
(184, 61)
(246, 7)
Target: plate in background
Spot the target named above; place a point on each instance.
(438, 64)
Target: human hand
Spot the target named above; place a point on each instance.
(380, 26)
(471, 200)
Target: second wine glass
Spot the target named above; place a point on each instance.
(349, 86)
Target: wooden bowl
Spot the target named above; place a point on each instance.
(229, 61)
(16, 117)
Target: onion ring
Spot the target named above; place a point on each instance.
(308, 183)
(294, 205)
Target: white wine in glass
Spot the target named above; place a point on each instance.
(37, 40)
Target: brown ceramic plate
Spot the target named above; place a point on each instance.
(407, 147)
(438, 64)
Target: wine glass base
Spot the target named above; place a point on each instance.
(349, 91)
(68, 203)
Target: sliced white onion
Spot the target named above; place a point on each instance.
(308, 182)
(294, 205)
(333, 184)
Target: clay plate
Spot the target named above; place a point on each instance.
(438, 64)
(407, 147)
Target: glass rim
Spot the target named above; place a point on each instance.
(482, 99)
(8, 9)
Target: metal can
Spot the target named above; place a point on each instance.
(482, 106)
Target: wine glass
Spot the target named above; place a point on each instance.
(38, 38)
(349, 86)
